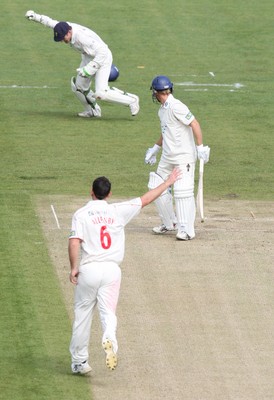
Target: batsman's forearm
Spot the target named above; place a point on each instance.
(160, 141)
(197, 132)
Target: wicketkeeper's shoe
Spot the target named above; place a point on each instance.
(134, 106)
(96, 109)
(159, 230)
(111, 357)
(82, 368)
(183, 236)
(86, 114)
(94, 112)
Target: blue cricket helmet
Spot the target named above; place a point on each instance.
(160, 83)
(114, 73)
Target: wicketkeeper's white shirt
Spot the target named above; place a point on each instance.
(178, 140)
(88, 43)
(84, 40)
(100, 226)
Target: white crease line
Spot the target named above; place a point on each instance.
(195, 90)
(26, 87)
(55, 216)
(234, 85)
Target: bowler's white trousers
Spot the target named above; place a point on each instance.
(98, 284)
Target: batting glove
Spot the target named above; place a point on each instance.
(203, 152)
(88, 70)
(150, 157)
(32, 16)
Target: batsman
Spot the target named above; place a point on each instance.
(181, 142)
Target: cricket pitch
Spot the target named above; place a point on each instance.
(195, 319)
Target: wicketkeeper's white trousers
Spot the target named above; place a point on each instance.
(98, 284)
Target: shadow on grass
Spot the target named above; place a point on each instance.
(73, 116)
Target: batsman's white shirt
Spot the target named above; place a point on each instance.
(178, 145)
(100, 226)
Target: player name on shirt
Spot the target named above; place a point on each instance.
(104, 220)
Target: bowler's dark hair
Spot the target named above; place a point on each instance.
(101, 187)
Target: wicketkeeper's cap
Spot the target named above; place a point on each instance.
(60, 31)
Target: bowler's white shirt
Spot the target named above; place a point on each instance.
(100, 227)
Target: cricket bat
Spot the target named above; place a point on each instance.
(200, 193)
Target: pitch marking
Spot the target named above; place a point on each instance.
(55, 216)
(26, 87)
(233, 85)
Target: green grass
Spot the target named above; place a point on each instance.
(45, 149)
(35, 329)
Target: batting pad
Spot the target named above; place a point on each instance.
(164, 203)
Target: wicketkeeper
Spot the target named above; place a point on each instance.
(96, 61)
(181, 140)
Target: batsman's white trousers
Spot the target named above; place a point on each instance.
(98, 284)
(183, 191)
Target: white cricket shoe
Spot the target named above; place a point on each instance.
(184, 236)
(86, 114)
(96, 109)
(82, 368)
(111, 357)
(159, 230)
(94, 112)
(134, 106)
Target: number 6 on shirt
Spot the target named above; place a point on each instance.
(105, 238)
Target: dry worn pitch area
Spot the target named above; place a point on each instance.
(195, 319)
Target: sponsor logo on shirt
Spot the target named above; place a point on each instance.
(100, 217)
(189, 115)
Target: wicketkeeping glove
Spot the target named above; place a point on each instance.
(32, 16)
(150, 157)
(203, 152)
(88, 70)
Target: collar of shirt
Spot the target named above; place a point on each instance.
(168, 101)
